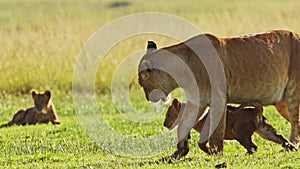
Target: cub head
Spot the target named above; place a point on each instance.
(172, 114)
(41, 100)
(157, 84)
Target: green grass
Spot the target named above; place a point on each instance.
(68, 145)
(40, 42)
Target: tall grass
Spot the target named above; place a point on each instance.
(40, 40)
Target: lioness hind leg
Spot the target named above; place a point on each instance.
(293, 102)
(266, 131)
(295, 123)
(282, 108)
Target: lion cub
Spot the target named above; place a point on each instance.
(241, 123)
(42, 112)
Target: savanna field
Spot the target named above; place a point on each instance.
(40, 43)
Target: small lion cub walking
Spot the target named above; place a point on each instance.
(241, 123)
(42, 112)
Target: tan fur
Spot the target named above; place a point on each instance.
(241, 123)
(42, 112)
(283, 109)
(262, 68)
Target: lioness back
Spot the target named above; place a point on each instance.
(272, 53)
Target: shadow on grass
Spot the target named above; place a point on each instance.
(164, 160)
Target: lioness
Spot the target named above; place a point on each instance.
(241, 123)
(262, 68)
(42, 112)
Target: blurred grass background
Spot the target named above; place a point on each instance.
(40, 40)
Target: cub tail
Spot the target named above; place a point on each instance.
(7, 124)
(257, 106)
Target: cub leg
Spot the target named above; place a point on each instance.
(55, 122)
(17, 119)
(242, 133)
(247, 143)
(54, 118)
(266, 131)
(244, 138)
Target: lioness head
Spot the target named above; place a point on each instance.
(172, 113)
(157, 84)
(41, 100)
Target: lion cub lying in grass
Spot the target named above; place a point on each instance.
(241, 123)
(42, 112)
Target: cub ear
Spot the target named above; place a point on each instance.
(48, 93)
(151, 46)
(176, 103)
(148, 67)
(33, 93)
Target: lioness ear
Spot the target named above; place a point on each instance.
(151, 46)
(48, 93)
(33, 93)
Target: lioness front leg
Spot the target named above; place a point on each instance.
(182, 149)
(186, 124)
(203, 140)
(216, 139)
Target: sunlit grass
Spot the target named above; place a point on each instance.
(68, 145)
(40, 42)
